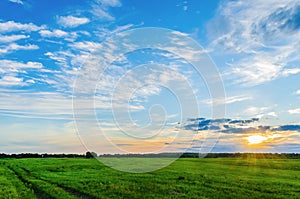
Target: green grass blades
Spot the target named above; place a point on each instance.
(11, 186)
(185, 178)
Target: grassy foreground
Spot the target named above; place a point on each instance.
(185, 178)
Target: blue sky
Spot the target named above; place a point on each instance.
(149, 100)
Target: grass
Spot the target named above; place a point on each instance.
(11, 186)
(185, 178)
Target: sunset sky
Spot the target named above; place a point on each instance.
(56, 97)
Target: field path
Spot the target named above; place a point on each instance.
(37, 184)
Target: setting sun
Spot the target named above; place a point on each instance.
(256, 139)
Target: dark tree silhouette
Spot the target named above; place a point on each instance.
(90, 154)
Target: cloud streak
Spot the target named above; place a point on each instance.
(227, 100)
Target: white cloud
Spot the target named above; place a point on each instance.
(110, 3)
(71, 21)
(56, 57)
(102, 14)
(86, 46)
(273, 114)
(69, 36)
(100, 8)
(12, 70)
(54, 33)
(297, 92)
(258, 70)
(11, 81)
(14, 47)
(290, 71)
(239, 98)
(259, 112)
(8, 66)
(11, 26)
(105, 32)
(252, 111)
(227, 100)
(11, 38)
(265, 44)
(294, 111)
(31, 81)
(17, 1)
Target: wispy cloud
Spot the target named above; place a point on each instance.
(10, 71)
(106, 32)
(15, 66)
(260, 112)
(15, 47)
(109, 3)
(60, 57)
(54, 33)
(9, 80)
(261, 41)
(87, 46)
(12, 38)
(294, 111)
(290, 71)
(100, 9)
(68, 36)
(51, 105)
(17, 1)
(71, 21)
(102, 14)
(253, 110)
(227, 100)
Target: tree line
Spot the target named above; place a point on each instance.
(45, 155)
(90, 154)
(210, 155)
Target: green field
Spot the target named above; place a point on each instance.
(185, 178)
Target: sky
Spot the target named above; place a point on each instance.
(137, 76)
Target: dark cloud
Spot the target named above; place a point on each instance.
(238, 130)
(286, 147)
(196, 119)
(287, 128)
(241, 122)
(222, 125)
(234, 126)
(200, 124)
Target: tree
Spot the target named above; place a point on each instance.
(90, 154)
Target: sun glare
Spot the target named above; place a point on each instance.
(256, 139)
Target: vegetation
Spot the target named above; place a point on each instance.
(152, 155)
(186, 178)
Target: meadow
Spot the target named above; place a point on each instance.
(185, 178)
